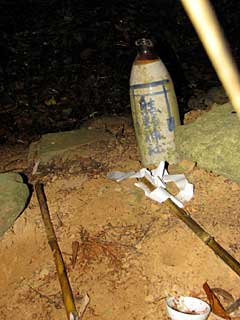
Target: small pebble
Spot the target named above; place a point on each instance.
(149, 298)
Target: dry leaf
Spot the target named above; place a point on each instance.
(50, 102)
(216, 305)
(75, 248)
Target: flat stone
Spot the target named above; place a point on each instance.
(212, 141)
(69, 145)
(14, 194)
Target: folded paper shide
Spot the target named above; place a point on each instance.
(158, 178)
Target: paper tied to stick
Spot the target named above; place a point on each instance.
(158, 178)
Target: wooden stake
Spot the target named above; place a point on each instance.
(209, 31)
(61, 270)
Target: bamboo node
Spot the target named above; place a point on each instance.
(207, 238)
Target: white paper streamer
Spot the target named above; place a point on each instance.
(159, 178)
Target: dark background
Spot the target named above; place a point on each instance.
(62, 62)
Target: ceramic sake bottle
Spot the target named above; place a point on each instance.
(154, 106)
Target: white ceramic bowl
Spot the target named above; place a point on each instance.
(187, 308)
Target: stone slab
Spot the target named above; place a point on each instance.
(67, 145)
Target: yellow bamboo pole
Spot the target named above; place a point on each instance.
(61, 270)
(185, 216)
(204, 20)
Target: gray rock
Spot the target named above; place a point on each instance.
(201, 99)
(216, 95)
(212, 141)
(65, 146)
(14, 194)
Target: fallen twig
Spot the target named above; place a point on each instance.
(75, 248)
(50, 300)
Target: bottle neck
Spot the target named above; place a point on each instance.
(145, 50)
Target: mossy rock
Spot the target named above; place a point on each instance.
(212, 141)
(14, 194)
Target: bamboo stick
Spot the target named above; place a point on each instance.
(61, 270)
(185, 216)
(204, 20)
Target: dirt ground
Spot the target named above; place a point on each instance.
(133, 252)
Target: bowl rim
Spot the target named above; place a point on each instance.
(206, 305)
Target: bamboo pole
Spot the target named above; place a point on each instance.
(204, 20)
(61, 270)
(185, 216)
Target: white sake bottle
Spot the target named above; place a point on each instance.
(154, 106)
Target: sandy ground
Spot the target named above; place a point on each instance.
(133, 252)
